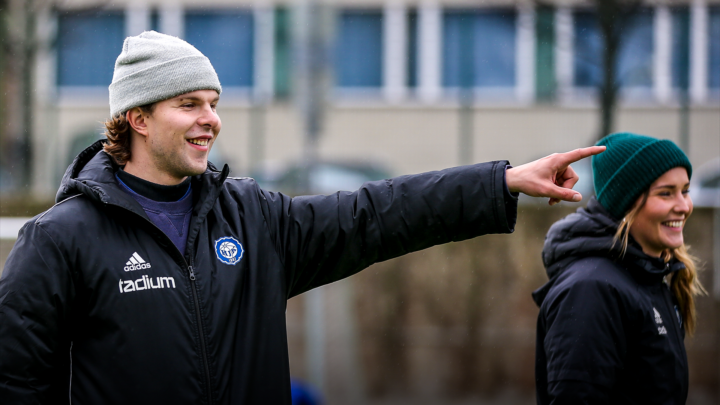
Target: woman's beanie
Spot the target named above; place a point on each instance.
(154, 67)
(629, 165)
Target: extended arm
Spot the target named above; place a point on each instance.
(322, 239)
(325, 238)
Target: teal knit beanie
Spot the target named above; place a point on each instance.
(629, 165)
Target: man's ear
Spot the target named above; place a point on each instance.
(136, 118)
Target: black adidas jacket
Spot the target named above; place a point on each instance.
(608, 331)
(78, 322)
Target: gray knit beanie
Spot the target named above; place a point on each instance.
(154, 67)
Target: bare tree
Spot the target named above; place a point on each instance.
(20, 46)
(16, 29)
(613, 20)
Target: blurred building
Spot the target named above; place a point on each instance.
(399, 70)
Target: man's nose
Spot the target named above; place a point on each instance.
(209, 117)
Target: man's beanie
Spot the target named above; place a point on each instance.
(629, 165)
(154, 67)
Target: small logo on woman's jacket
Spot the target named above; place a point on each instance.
(658, 320)
(228, 250)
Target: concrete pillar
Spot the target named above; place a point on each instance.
(564, 52)
(525, 54)
(395, 28)
(264, 52)
(172, 21)
(137, 18)
(430, 51)
(46, 162)
(662, 72)
(698, 51)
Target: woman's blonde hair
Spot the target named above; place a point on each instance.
(685, 284)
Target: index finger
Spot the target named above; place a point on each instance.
(577, 154)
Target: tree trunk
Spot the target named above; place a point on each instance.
(28, 52)
(609, 15)
(18, 31)
(613, 18)
(3, 75)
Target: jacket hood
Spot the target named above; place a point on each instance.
(92, 173)
(590, 232)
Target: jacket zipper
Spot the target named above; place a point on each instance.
(203, 346)
(675, 325)
(196, 301)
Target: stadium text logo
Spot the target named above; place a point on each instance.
(146, 283)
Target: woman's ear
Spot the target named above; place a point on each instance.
(137, 120)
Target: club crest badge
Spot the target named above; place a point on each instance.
(228, 250)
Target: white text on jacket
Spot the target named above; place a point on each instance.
(146, 283)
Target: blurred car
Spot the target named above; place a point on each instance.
(705, 185)
(321, 178)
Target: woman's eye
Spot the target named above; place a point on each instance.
(687, 191)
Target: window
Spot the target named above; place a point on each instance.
(412, 49)
(714, 51)
(545, 53)
(358, 51)
(88, 45)
(155, 21)
(680, 54)
(490, 37)
(587, 46)
(282, 52)
(226, 38)
(635, 56)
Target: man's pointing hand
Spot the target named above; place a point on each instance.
(550, 176)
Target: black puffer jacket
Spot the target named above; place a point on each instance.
(98, 306)
(608, 330)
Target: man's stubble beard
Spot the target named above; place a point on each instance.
(175, 165)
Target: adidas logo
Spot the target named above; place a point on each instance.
(658, 318)
(136, 263)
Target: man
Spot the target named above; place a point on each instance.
(156, 279)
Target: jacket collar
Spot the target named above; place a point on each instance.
(92, 173)
(590, 232)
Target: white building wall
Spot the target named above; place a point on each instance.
(564, 53)
(264, 52)
(171, 19)
(404, 133)
(698, 51)
(525, 54)
(430, 52)
(395, 28)
(137, 18)
(662, 36)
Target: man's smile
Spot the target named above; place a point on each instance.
(199, 141)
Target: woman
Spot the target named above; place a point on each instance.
(620, 297)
